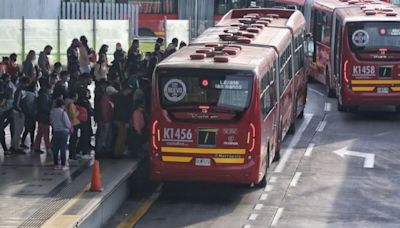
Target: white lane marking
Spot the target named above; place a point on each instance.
(321, 126)
(317, 92)
(268, 188)
(277, 217)
(309, 150)
(273, 179)
(285, 157)
(295, 179)
(328, 107)
(383, 134)
(263, 196)
(253, 217)
(258, 206)
(369, 158)
(247, 226)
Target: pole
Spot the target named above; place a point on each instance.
(58, 39)
(23, 38)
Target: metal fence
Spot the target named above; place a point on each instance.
(20, 36)
(103, 11)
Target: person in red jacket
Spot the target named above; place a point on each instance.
(105, 129)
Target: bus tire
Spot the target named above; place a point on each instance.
(263, 181)
(292, 128)
(277, 156)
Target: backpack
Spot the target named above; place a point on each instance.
(29, 105)
(83, 114)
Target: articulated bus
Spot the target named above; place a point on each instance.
(221, 106)
(353, 29)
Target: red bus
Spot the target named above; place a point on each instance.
(154, 12)
(322, 18)
(222, 105)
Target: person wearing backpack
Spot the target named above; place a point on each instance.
(61, 126)
(44, 103)
(29, 108)
(73, 115)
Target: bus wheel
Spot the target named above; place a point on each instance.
(292, 128)
(301, 114)
(277, 156)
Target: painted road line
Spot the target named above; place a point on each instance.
(383, 134)
(253, 217)
(295, 179)
(285, 157)
(328, 107)
(247, 226)
(258, 206)
(144, 207)
(273, 179)
(264, 196)
(369, 159)
(321, 126)
(268, 188)
(316, 91)
(309, 150)
(277, 217)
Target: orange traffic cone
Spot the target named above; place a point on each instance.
(96, 181)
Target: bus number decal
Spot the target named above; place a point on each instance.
(178, 134)
(360, 38)
(175, 90)
(364, 70)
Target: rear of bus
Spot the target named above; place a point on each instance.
(204, 125)
(371, 63)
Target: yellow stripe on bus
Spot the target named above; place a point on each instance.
(187, 150)
(396, 89)
(363, 89)
(176, 159)
(374, 82)
(229, 160)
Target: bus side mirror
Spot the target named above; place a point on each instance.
(309, 45)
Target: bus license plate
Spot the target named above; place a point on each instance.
(203, 162)
(383, 90)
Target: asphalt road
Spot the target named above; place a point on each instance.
(338, 170)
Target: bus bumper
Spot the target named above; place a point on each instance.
(351, 98)
(246, 173)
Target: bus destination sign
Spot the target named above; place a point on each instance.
(230, 84)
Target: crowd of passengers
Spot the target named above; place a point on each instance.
(38, 96)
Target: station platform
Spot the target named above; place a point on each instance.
(33, 194)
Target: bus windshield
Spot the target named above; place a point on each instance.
(374, 36)
(228, 90)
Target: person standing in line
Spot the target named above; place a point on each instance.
(55, 74)
(134, 57)
(171, 47)
(13, 68)
(44, 63)
(18, 115)
(29, 68)
(61, 126)
(61, 86)
(138, 129)
(105, 127)
(43, 117)
(29, 108)
(84, 53)
(103, 51)
(122, 113)
(73, 62)
(73, 115)
(5, 113)
(101, 68)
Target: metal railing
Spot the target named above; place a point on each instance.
(102, 11)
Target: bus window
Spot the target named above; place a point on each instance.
(224, 89)
(157, 6)
(267, 97)
(323, 27)
(368, 38)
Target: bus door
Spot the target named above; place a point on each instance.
(336, 54)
